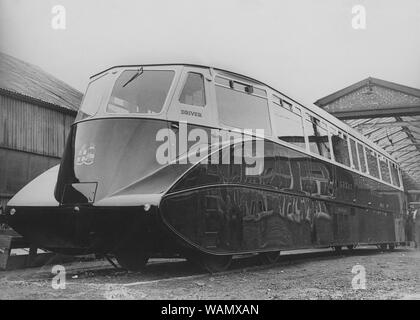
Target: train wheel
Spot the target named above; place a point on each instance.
(269, 257)
(132, 260)
(383, 246)
(337, 249)
(351, 247)
(391, 247)
(213, 263)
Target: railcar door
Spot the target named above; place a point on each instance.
(192, 107)
(322, 182)
(193, 101)
(191, 118)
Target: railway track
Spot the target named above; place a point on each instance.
(100, 272)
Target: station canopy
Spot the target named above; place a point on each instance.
(388, 114)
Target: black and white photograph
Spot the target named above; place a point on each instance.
(215, 158)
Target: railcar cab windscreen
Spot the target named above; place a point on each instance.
(135, 91)
(156, 164)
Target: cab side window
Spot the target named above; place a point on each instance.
(193, 92)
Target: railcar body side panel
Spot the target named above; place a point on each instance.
(296, 202)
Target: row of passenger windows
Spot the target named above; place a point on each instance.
(241, 109)
(244, 106)
(345, 149)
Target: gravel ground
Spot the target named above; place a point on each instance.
(389, 275)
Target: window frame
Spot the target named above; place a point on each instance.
(116, 74)
(230, 87)
(375, 155)
(313, 120)
(343, 135)
(280, 103)
(397, 175)
(105, 97)
(242, 83)
(186, 75)
(352, 162)
(382, 158)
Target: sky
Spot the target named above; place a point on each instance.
(305, 48)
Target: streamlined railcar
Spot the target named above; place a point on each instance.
(196, 161)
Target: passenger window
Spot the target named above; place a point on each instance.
(242, 110)
(260, 92)
(222, 81)
(394, 173)
(193, 92)
(400, 177)
(384, 169)
(288, 105)
(277, 101)
(362, 157)
(340, 147)
(317, 136)
(354, 154)
(372, 163)
(288, 124)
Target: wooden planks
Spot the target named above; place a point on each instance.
(31, 128)
(9, 240)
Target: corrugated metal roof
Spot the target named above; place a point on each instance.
(29, 80)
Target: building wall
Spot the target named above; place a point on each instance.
(29, 127)
(32, 139)
(379, 96)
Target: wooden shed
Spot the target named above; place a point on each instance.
(36, 111)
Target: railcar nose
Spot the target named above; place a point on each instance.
(105, 156)
(105, 194)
